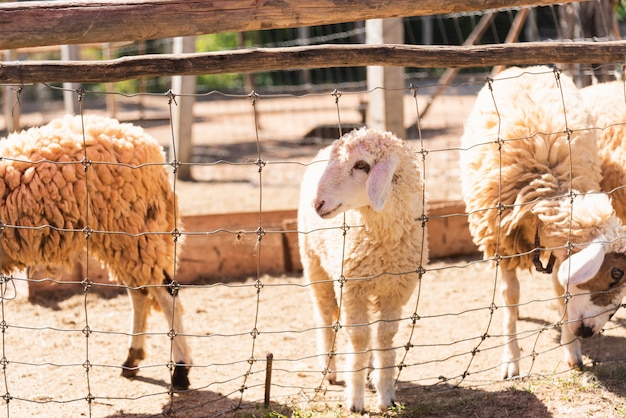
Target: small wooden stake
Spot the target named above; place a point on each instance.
(268, 378)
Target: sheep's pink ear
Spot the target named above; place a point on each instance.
(379, 182)
(582, 266)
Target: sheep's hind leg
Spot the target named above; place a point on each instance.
(510, 297)
(172, 309)
(141, 305)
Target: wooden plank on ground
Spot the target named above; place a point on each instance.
(213, 252)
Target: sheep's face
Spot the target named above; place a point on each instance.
(343, 185)
(595, 299)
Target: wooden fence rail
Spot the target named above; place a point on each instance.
(321, 56)
(40, 23)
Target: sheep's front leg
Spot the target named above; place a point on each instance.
(140, 304)
(384, 356)
(172, 309)
(571, 344)
(326, 314)
(354, 312)
(510, 296)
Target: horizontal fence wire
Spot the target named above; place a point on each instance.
(450, 332)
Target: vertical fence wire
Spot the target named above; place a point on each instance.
(497, 258)
(423, 218)
(258, 284)
(173, 286)
(5, 282)
(87, 231)
(571, 193)
(341, 280)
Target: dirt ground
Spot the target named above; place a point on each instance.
(450, 355)
(47, 350)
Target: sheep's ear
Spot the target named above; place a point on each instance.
(379, 181)
(582, 266)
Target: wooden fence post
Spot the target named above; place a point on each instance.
(184, 87)
(386, 84)
(111, 100)
(70, 53)
(12, 111)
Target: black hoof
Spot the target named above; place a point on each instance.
(129, 371)
(129, 368)
(180, 378)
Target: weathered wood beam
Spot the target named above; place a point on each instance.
(320, 56)
(40, 23)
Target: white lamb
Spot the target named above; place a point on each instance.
(112, 193)
(373, 179)
(525, 133)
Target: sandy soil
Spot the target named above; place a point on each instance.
(47, 351)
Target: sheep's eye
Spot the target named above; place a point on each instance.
(362, 165)
(616, 274)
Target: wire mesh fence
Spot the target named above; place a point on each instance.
(253, 340)
(63, 355)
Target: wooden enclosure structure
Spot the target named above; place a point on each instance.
(28, 24)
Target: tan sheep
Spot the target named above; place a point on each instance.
(107, 188)
(372, 182)
(607, 104)
(527, 143)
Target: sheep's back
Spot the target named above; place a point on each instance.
(57, 176)
(517, 151)
(607, 103)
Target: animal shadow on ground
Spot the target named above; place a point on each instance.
(448, 401)
(202, 403)
(608, 355)
(51, 294)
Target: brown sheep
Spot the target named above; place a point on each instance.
(105, 188)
